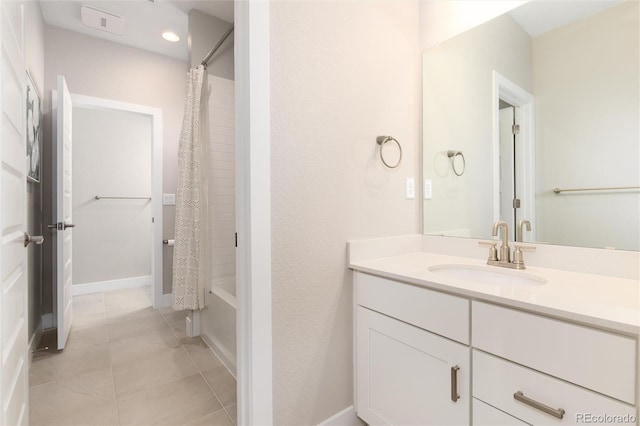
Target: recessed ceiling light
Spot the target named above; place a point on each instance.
(170, 36)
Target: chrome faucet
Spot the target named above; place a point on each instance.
(505, 251)
(504, 259)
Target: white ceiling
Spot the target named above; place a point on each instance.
(538, 17)
(145, 20)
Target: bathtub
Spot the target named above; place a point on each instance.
(218, 320)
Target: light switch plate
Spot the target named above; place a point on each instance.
(411, 188)
(168, 199)
(428, 189)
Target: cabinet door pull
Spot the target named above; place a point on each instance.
(559, 412)
(454, 383)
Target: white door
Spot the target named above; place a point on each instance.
(14, 361)
(64, 208)
(408, 376)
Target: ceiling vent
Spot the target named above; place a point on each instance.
(102, 20)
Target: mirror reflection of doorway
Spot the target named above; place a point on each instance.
(509, 199)
(514, 156)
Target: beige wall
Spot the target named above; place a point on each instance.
(588, 129)
(457, 115)
(108, 70)
(342, 73)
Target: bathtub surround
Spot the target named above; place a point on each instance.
(220, 107)
(218, 319)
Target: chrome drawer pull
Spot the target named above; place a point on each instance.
(559, 412)
(454, 383)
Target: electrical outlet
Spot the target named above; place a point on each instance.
(411, 188)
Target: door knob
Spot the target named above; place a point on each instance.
(66, 225)
(28, 239)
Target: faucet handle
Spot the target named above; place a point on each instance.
(525, 246)
(493, 251)
(518, 260)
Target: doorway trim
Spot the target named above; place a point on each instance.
(505, 89)
(253, 214)
(159, 299)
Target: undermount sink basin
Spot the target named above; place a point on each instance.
(493, 275)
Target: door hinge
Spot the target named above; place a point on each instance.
(515, 129)
(236, 239)
(516, 203)
(153, 220)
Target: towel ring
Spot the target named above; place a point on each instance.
(381, 140)
(453, 155)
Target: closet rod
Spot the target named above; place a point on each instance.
(216, 47)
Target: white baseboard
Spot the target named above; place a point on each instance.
(346, 417)
(226, 361)
(165, 301)
(100, 286)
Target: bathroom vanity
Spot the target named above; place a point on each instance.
(445, 339)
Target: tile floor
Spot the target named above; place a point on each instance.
(128, 364)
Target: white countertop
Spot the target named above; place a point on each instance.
(596, 300)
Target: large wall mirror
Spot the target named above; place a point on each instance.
(535, 116)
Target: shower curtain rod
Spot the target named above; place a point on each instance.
(216, 47)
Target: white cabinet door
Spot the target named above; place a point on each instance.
(408, 376)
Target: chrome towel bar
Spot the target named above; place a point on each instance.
(100, 197)
(610, 188)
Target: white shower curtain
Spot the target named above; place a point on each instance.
(189, 261)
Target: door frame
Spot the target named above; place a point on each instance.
(253, 213)
(159, 299)
(505, 89)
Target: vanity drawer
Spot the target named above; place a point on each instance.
(495, 381)
(484, 414)
(437, 312)
(598, 360)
